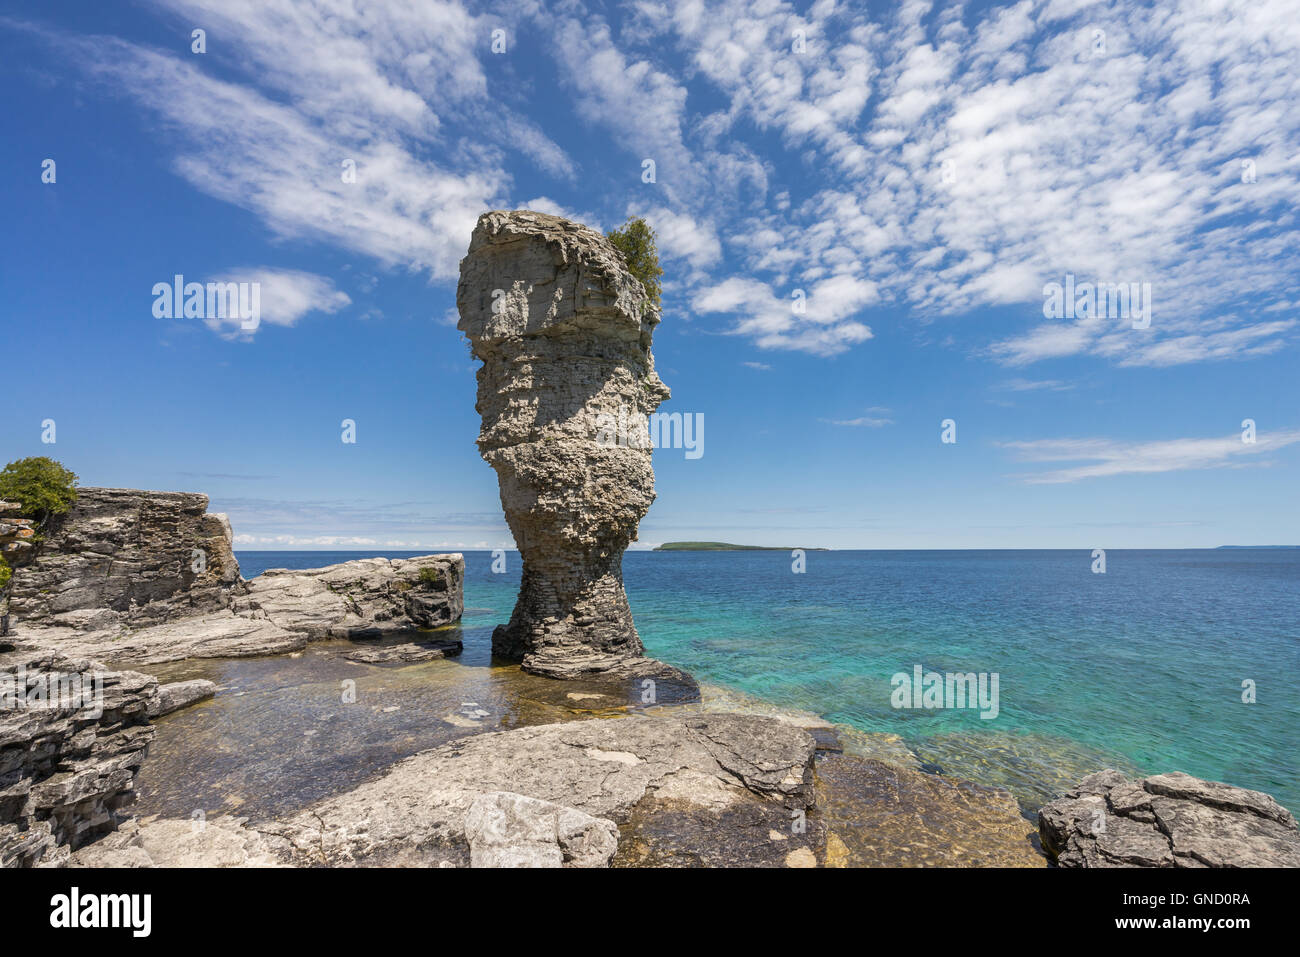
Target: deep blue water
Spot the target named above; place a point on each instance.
(1143, 664)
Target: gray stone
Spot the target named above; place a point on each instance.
(147, 556)
(276, 613)
(504, 829)
(407, 651)
(1167, 820)
(563, 330)
(414, 815)
(181, 694)
(72, 736)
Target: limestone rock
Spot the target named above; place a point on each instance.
(181, 694)
(366, 598)
(72, 736)
(168, 842)
(415, 814)
(510, 830)
(563, 330)
(148, 556)
(1167, 820)
(406, 651)
(276, 613)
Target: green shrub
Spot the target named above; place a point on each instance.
(42, 486)
(430, 575)
(6, 573)
(39, 484)
(636, 241)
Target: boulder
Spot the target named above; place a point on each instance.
(504, 829)
(181, 694)
(1167, 820)
(567, 382)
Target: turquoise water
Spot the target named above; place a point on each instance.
(1139, 668)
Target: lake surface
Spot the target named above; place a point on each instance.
(1140, 668)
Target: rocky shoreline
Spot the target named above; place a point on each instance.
(638, 771)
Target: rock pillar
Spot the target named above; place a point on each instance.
(567, 384)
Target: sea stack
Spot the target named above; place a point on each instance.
(563, 331)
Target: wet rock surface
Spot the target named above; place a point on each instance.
(563, 332)
(882, 815)
(72, 737)
(415, 814)
(1167, 820)
(181, 694)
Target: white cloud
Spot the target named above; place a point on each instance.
(869, 421)
(935, 160)
(285, 296)
(1105, 457)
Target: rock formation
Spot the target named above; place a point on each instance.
(544, 795)
(279, 612)
(72, 736)
(1167, 820)
(16, 535)
(563, 331)
(130, 575)
(143, 556)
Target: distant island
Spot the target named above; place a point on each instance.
(1259, 546)
(728, 547)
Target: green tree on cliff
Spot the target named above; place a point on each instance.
(42, 486)
(636, 241)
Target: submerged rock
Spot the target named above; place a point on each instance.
(181, 694)
(1167, 820)
(563, 331)
(883, 815)
(406, 652)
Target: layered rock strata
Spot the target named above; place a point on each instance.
(16, 535)
(1167, 820)
(563, 330)
(130, 575)
(72, 736)
(129, 555)
(280, 612)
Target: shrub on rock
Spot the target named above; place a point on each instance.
(41, 485)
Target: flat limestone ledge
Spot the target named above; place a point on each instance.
(281, 612)
(547, 795)
(1167, 820)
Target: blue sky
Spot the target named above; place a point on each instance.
(920, 171)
